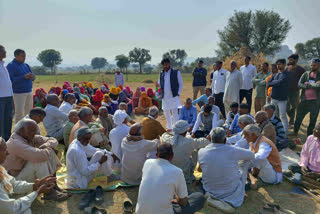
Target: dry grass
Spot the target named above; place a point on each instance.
(279, 194)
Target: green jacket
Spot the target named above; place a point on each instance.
(305, 78)
(260, 84)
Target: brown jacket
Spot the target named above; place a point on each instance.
(274, 157)
(270, 132)
(152, 129)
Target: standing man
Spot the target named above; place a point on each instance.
(248, 72)
(21, 77)
(279, 94)
(218, 85)
(310, 97)
(171, 84)
(296, 72)
(118, 78)
(199, 79)
(260, 85)
(233, 85)
(6, 100)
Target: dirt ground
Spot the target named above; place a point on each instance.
(254, 200)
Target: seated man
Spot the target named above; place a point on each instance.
(55, 119)
(145, 103)
(184, 148)
(85, 116)
(37, 114)
(106, 120)
(161, 181)
(118, 133)
(238, 139)
(282, 142)
(231, 114)
(310, 160)
(221, 175)
(152, 129)
(73, 119)
(206, 121)
(266, 126)
(32, 156)
(267, 163)
(124, 106)
(234, 128)
(80, 171)
(188, 113)
(134, 154)
(67, 104)
(11, 186)
(203, 99)
(215, 109)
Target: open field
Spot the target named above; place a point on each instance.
(279, 194)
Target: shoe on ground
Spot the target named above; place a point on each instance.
(127, 206)
(87, 199)
(219, 204)
(55, 195)
(99, 196)
(94, 210)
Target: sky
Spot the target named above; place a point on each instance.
(83, 29)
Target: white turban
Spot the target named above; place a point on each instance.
(119, 117)
(179, 128)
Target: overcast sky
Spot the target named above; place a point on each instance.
(81, 29)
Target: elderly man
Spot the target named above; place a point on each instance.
(80, 171)
(55, 119)
(238, 139)
(184, 148)
(277, 124)
(188, 113)
(37, 114)
(161, 181)
(73, 119)
(171, 84)
(119, 132)
(152, 129)
(206, 121)
(310, 159)
(221, 175)
(267, 163)
(124, 106)
(106, 120)
(67, 104)
(32, 156)
(266, 126)
(215, 109)
(85, 116)
(11, 186)
(135, 150)
(233, 84)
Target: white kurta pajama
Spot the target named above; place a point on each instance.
(170, 104)
(21, 205)
(80, 171)
(232, 89)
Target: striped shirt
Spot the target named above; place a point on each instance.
(276, 122)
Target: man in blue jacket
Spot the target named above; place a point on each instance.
(279, 94)
(199, 79)
(21, 77)
(188, 113)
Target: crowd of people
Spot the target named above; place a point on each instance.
(233, 146)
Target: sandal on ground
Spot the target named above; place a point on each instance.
(127, 206)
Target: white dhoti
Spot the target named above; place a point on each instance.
(267, 173)
(106, 167)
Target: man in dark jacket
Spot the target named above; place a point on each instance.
(279, 94)
(199, 80)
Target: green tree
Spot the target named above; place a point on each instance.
(49, 58)
(122, 61)
(98, 62)
(260, 31)
(140, 56)
(311, 49)
(176, 57)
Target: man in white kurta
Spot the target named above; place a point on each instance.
(184, 149)
(170, 101)
(233, 85)
(80, 171)
(135, 150)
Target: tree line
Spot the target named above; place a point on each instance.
(260, 31)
